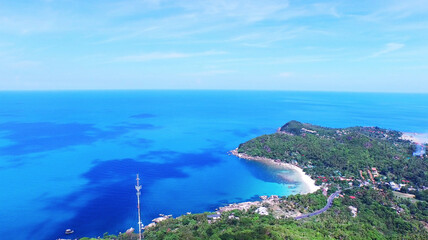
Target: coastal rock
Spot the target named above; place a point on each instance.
(150, 225)
(274, 197)
(160, 219)
(129, 231)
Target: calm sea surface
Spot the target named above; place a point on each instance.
(69, 159)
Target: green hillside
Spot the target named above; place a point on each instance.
(348, 159)
(332, 152)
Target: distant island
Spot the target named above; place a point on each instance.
(361, 183)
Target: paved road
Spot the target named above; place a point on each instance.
(327, 206)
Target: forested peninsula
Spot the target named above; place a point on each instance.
(373, 185)
(356, 153)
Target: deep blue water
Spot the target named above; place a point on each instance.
(69, 159)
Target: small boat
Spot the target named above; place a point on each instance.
(69, 231)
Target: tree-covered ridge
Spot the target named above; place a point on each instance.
(335, 152)
(378, 216)
(336, 157)
(297, 128)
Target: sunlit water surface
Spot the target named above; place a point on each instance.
(69, 159)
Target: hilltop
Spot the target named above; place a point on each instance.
(332, 154)
(367, 174)
(360, 165)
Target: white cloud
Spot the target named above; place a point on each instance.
(130, 7)
(249, 11)
(209, 73)
(390, 47)
(161, 56)
(286, 74)
(298, 59)
(270, 35)
(396, 9)
(407, 8)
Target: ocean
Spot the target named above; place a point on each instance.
(69, 159)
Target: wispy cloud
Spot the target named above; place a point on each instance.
(407, 8)
(268, 36)
(133, 34)
(25, 64)
(286, 74)
(209, 73)
(396, 9)
(248, 11)
(389, 47)
(163, 56)
(130, 7)
(413, 26)
(298, 59)
(262, 38)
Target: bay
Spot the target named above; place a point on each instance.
(68, 159)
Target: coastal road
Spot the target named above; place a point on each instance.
(327, 206)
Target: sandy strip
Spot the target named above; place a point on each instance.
(418, 138)
(308, 183)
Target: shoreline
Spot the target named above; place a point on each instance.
(308, 184)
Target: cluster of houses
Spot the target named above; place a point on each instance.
(214, 217)
(369, 179)
(398, 186)
(245, 206)
(342, 132)
(373, 173)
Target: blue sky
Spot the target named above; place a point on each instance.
(341, 45)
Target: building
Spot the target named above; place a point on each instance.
(214, 216)
(394, 186)
(375, 172)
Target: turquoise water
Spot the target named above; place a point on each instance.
(69, 159)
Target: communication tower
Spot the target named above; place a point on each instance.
(138, 188)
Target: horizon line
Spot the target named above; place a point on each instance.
(203, 89)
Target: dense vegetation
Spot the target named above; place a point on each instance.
(342, 152)
(377, 218)
(361, 212)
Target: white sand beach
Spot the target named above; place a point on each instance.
(308, 184)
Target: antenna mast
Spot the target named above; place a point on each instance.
(138, 187)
